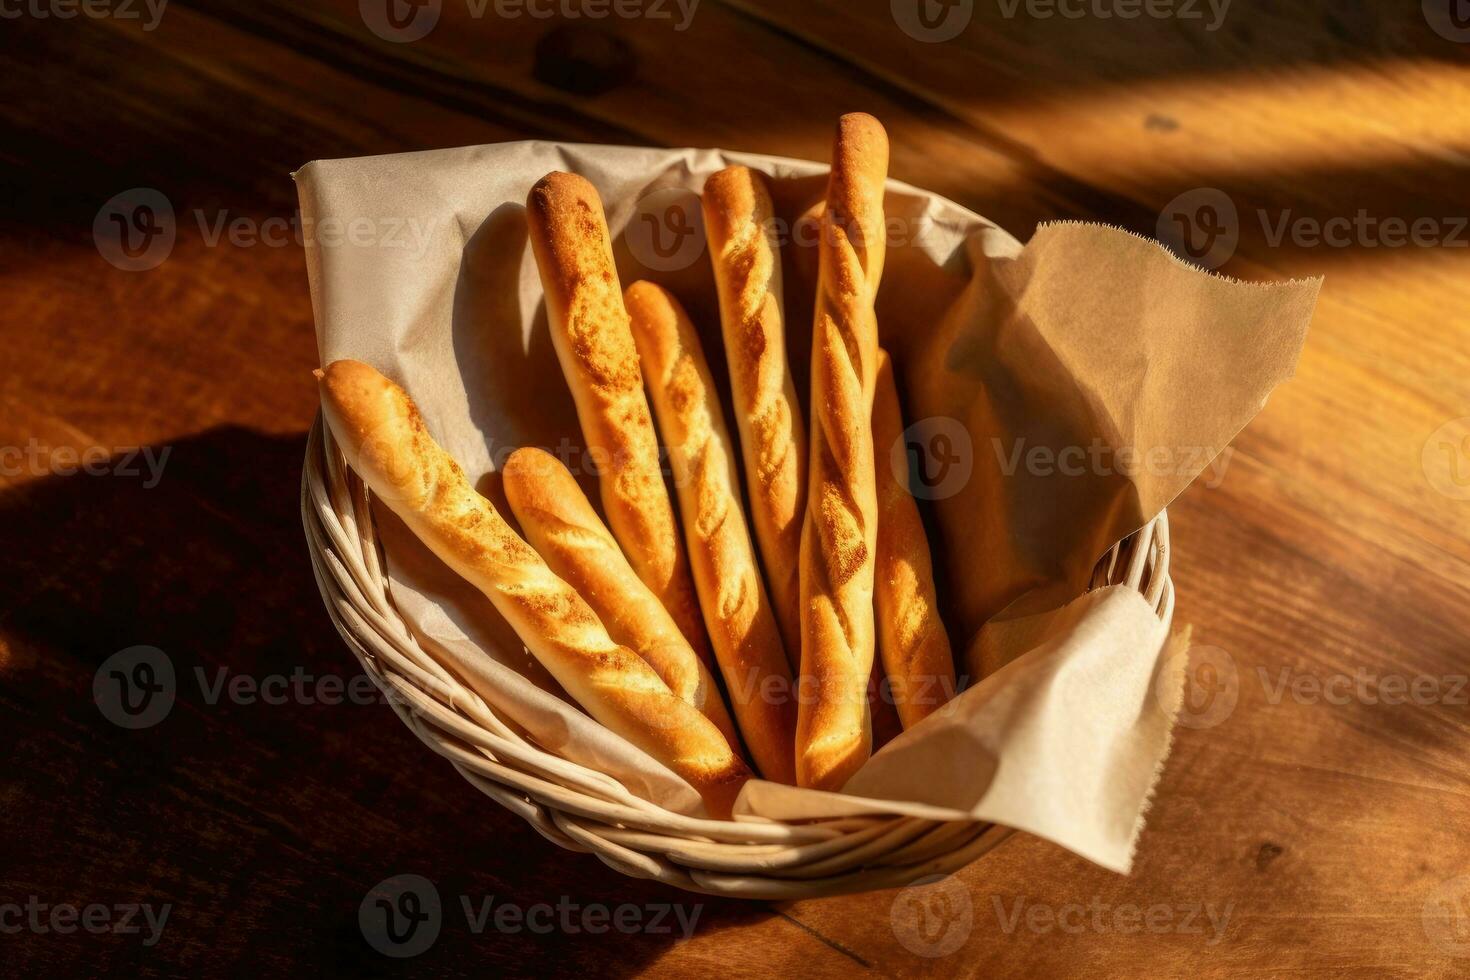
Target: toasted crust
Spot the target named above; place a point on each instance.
(912, 641)
(560, 523)
(737, 612)
(740, 227)
(839, 536)
(589, 329)
(384, 440)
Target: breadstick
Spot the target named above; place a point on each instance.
(911, 639)
(385, 441)
(737, 612)
(839, 536)
(559, 522)
(589, 329)
(740, 227)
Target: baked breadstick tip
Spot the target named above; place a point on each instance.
(912, 642)
(561, 524)
(839, 536)
(737, 611)
(740, 226)
(385, 441)
(590, 331)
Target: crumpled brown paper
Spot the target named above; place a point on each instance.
(1061, 394)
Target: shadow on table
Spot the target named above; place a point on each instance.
(274, 793)
(91, 139)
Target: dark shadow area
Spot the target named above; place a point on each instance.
(501, 367)
(263, 824)
(69, 151)
(209, 140)
(959, 53)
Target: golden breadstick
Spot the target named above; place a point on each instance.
(740, 227)
(558, 520)
(589, 329)
(737, 613)
(839, 536)
(386, 443)
(911, 639)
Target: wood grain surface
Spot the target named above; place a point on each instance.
(1313, 817)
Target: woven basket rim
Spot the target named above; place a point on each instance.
(743, 857)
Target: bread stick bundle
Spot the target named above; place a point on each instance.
(839, 536)
(912, 642)
(739, 223)
(385, 441)
(737, 612)
(590, 331)
(559, 522)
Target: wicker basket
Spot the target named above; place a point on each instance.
(583, 810)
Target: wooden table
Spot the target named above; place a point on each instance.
(1323, 825)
